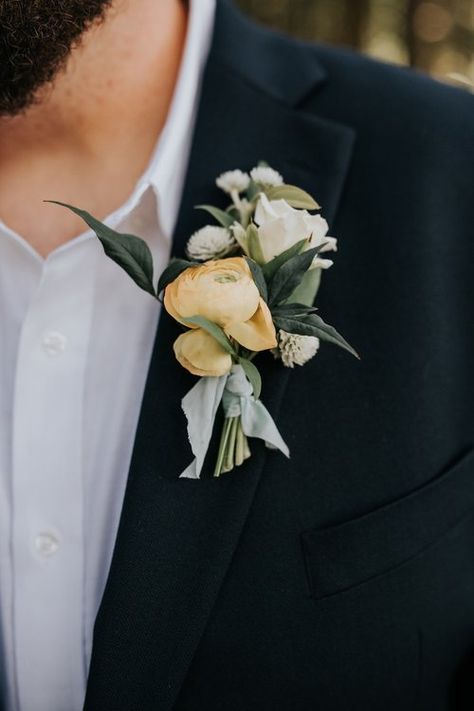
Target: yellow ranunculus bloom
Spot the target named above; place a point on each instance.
(224, 292)
(200, 353)
(256, 334)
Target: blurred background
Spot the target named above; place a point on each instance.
(436, 36)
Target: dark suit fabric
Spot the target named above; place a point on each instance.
(343, 579)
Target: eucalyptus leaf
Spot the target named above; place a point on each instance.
(292, 310)
(222, 217)
(258, 278)
(252, 191)
(131, 253)
(294, 324)
(254, 377)
(215, 331)
(313, 325)
(172, 272)
(234, 213)
(289, 276)
(254, 247)
(294, 196)
(307, 289)
(271, 267)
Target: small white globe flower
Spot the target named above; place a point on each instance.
(266, 177)
(210, 242)
(233, 181)
(295, 350)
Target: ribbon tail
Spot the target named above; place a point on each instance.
(200, 406)
(257, 422)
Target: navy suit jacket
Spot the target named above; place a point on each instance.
(343, 578)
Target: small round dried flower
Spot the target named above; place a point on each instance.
(266, 177)
(210, 242)
(295, 350)
(233, 181)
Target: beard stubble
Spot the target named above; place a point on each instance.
(36, 39)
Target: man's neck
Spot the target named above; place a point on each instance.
(92, 134)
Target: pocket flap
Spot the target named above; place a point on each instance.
(341, 556)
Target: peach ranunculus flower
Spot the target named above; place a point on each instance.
(200, 353)
(224, 292)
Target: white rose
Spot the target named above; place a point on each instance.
(280, 226)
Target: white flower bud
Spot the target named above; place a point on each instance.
(233, 181)
(295, 350)
(210, 242)
(266, 177)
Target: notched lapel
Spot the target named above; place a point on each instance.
(177, 536)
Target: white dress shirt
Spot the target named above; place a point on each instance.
(76, 336)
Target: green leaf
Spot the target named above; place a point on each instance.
(254, 377)
(289, 276)
(258, 278)
(254, 247)
(128, 251)
(313, 325)
(252, 191)
(233, 212)
(292, 310)
(270, 268)
(305, 292)
(222, 217)
(172, 271)
(294, 196)
(215, 331)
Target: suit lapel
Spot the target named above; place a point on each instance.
(177, 536)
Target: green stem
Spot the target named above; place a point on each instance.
(239, 445)
(236, 200)
(229, 459)
(223, 446)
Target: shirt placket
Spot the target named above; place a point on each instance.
(47, 484)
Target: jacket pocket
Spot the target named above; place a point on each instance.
(339, 557)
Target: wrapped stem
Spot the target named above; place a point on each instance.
(242, 449)
(223, 446)
(233, 449)
(229, 459)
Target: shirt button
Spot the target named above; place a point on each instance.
(54, 343)
(46, 544)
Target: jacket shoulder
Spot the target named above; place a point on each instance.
(398, 96)
(407, 115)
(348, 84)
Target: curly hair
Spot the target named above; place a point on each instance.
(36, 39)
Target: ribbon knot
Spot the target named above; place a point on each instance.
(237, 388)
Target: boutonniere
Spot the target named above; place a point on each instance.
(246, 285)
